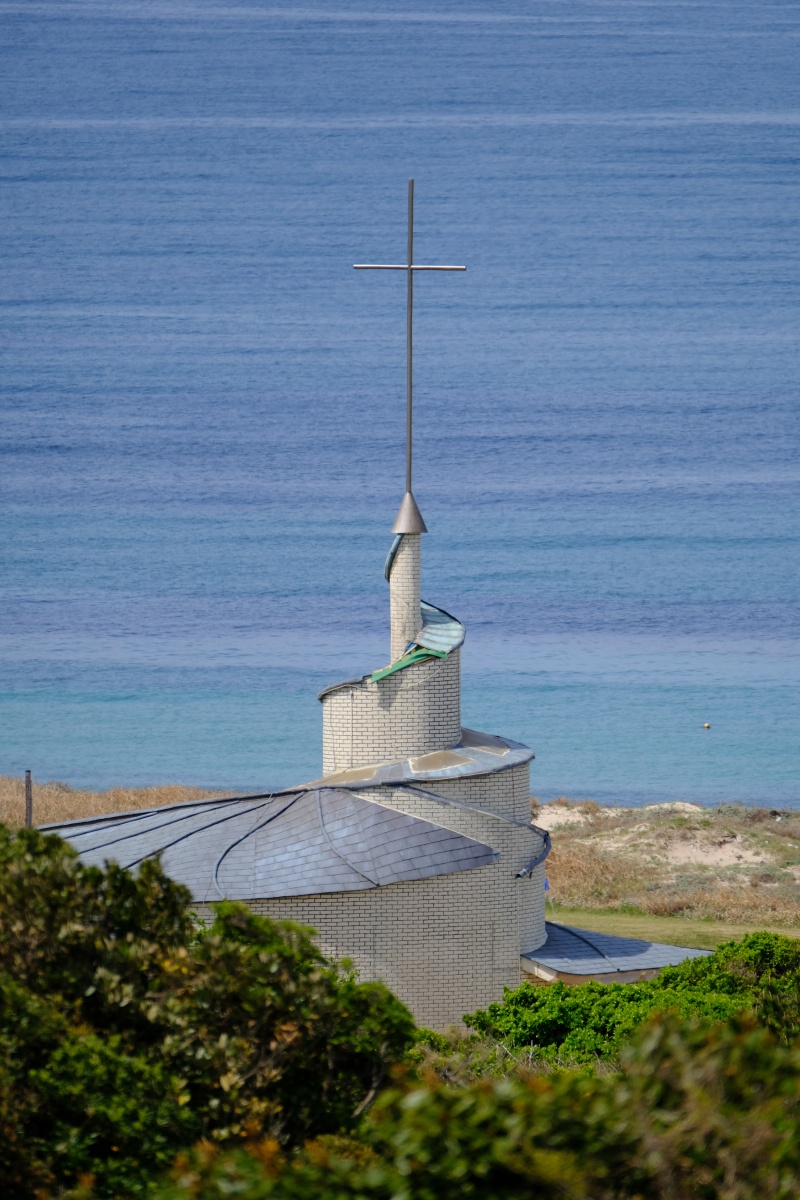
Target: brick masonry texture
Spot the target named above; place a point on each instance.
(413, 712)
(404, 593)
(445, 946)
(451, 944)
(506, 792)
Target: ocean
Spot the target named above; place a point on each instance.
(202, 433)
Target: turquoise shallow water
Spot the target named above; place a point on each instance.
(202, 404)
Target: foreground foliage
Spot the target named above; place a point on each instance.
(140, 1059)
(594, 1020)
(124, 1036)
(697, 1112)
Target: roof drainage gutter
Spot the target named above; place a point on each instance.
(526, 872)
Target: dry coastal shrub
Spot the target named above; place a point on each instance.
(54, 802)
(738, 905)
(581, 874)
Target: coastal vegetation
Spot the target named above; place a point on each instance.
(674, 873)
(127, 1033)
(55, 801)
(592, 1021)
(146, 1056)
(730, 864)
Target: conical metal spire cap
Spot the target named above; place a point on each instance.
(409, 518)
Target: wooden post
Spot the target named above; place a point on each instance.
(28, 801)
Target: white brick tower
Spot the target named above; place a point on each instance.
(414, 855)
(404, 585)
(413, 705)
(403, 573)
(395, 738)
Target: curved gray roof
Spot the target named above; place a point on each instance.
(306, 842)
(574, 951)
(440, 630)
(476, 754)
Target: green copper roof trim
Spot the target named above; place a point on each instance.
(440, 635)
(417, 655)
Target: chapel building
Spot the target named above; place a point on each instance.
(413, 855)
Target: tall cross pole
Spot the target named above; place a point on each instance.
(409, 267)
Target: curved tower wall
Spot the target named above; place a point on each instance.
(444, 946)
(412, 712)
(515, 905)
(506, 793)
(448, 945)
(404, 595)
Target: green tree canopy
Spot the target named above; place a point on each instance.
(696, 1112)
(125, 1036)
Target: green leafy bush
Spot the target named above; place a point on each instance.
(125, 1037)
(697, 1112)
(593, 1020)
(738, 968)
(139, 1058)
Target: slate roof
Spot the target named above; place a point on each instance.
(476, 754)
(572, 951)
(305, 842)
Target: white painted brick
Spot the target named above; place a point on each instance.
(450, 944)
(415, 711)
(404, 595)
(447, 945)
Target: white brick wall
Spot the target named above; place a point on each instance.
(404, 593)
(412, 712)
(445, 946)
(506, 792)
(451, 944)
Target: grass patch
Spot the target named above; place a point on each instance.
(673, 931)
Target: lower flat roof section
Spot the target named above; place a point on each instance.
(577, 955)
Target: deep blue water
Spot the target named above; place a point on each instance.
(201, 444)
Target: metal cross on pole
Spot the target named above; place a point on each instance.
(409, 267)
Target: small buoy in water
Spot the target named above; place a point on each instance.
(706, 726)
